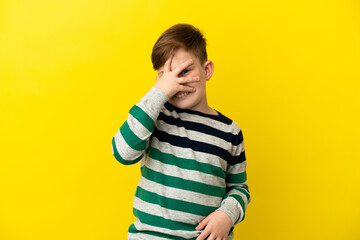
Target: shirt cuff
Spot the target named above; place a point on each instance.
(232, 208)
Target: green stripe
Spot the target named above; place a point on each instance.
(243, 186)
(132, 229)
(142, 117)
(174, 204)
(180, 183)
(246, 187)
(245, 193)
(186, 163)
(240, 189)
(120, 159)
(236, 178)
(131, 139)
(231, 230)
(161, 222)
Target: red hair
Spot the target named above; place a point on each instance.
(179, 35)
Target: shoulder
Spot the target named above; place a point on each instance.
(236, 132)
(233, 126)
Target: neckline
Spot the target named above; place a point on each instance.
(220, 117)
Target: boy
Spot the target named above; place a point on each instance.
(193, 166)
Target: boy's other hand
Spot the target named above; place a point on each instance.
(170, 83)
(217, 226)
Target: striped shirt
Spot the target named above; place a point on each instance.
(192, 164)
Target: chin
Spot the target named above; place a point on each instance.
(181, 104)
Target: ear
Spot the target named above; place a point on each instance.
(209, 69)
(160, 72)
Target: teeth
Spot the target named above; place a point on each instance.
(181, 94)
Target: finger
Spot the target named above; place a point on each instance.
(188, 79)
(205, 221)
(184, 88)
(168, 64)
(203, 235)
(182, 66)
(211, 237)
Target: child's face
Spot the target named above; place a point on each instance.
(195, 100)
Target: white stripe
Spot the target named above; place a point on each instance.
(145, 227)
(186, 174)
(201, 119)
(189, 153)
(241, 186)
(237, 150)
(243, 196)
(137, 128)
(180, 233)
(166, 213)
(195, 135)
(237, 168)
(179, 194)
(236, 184)
(124, 150)
(141, 236)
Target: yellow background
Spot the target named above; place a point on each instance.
(286, 71)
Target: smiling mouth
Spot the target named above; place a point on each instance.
(181, 94)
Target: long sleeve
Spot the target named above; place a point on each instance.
(132, 139)
(238, 195)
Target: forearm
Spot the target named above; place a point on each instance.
(132, 139)
(238, 196)
(236, 202)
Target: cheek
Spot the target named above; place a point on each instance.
(198, 74)
(200, 88)
(196, 85)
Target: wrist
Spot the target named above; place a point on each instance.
(168, 94)
(225, 214)
(153, 101)
(230, 207)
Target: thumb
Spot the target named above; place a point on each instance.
(203, 223)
